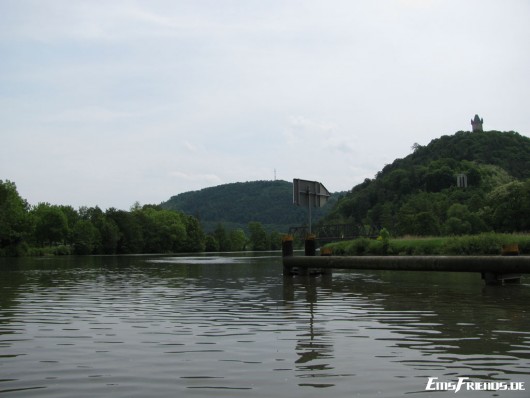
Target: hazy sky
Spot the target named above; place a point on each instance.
(111, 102)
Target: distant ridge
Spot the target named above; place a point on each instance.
(236, 204)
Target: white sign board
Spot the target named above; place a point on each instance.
(309, 193)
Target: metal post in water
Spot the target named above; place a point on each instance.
(287, 251)
(310, 245)
(287, 245)
(308, 193)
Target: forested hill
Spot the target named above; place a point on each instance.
(235, 205)
(419, 195)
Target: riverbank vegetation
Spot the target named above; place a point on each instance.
(47, 229)
(481, 244)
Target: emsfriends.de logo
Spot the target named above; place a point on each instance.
(464, 384)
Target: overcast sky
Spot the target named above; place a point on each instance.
(111, 102)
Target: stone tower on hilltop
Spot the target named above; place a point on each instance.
(476, 124)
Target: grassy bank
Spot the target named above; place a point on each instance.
(483, 244)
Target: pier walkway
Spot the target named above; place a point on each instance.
(494, 269)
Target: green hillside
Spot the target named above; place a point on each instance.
(235, 205)
(418, 195)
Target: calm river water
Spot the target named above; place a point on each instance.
(232, 326)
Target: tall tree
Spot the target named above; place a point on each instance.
(85, 237)
(222, 238)
(15, 221)
(195, 238)
(511, 206)
(131, 239)
(258, 236)
(51, 224)
(238, 240)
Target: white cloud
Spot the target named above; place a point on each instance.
(88, 114)
(323, 136)
(118, 96)
(203, 179)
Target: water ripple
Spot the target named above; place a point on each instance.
(212, 325)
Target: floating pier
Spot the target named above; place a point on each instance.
(495, 270)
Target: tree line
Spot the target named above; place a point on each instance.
(59, 229)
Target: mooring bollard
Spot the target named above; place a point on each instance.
(510, 249)
(326, 251)
(287, 246)
(310, 245)
(287, 251)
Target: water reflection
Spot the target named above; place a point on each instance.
(203, 325)
(444, 325)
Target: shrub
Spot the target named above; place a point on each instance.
(482, 244)
(359, 246)
(62, 250)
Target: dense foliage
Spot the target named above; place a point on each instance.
(15, 222)
(236, 205)
(418, 195)
(481, 244)
(52, 229)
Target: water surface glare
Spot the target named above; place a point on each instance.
(232, 326)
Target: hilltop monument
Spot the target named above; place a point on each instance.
(476, 124)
